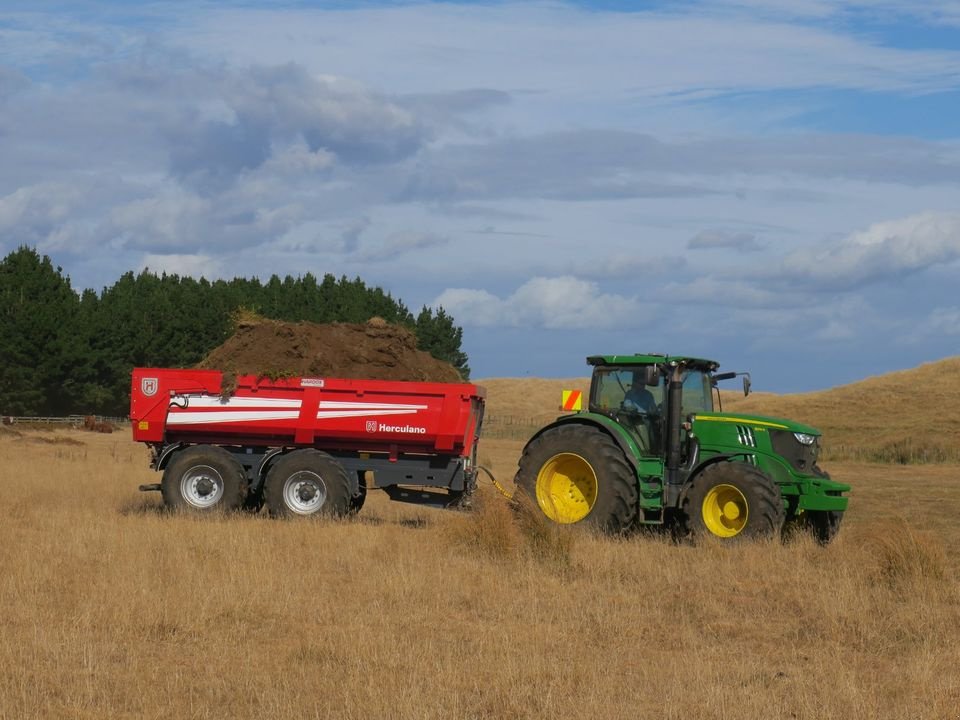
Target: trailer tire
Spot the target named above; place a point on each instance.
(307, 483)
(733, 500)
(204, 479)
(577, 473)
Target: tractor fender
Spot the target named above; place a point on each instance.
(630, 448)
(699, 468)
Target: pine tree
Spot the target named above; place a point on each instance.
(37, 309)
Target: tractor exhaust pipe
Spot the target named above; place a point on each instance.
(674, 399)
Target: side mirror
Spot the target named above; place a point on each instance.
(652, 376)
(746, 384)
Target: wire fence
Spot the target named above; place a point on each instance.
(76, 421)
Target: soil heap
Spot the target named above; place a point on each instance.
(375, 350)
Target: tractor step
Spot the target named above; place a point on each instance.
(150, 487)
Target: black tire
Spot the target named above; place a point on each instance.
(824, 524)
(577, 474)
(731, 500)
(204, 479)
(307, 483)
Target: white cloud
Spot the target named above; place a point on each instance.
(37, 214)
(886, 249)
(560, 303)
(170, 219)
(196, 266)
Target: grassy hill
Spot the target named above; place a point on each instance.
(906, 416)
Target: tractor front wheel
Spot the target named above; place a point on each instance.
(577, 473)
(824, 524)
(731, 500)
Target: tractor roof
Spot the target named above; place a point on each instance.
(653, 359)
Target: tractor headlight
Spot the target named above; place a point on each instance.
(805, 439)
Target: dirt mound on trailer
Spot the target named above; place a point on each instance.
(374, 350)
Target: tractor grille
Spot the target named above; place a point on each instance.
(802, 457)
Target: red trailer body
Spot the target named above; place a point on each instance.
(405, 433)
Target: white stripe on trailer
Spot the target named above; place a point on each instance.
(327, 414)
(228, 416)
(351, 405)
(208, 401)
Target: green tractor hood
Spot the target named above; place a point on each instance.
(758, 421)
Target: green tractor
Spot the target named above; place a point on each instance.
(650, 450)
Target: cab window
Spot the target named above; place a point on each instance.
(697, 393)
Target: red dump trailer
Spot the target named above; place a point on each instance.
(304, 445)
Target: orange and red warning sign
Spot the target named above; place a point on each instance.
(572, 400)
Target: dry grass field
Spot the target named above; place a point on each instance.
(114, 609)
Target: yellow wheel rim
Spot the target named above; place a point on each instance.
(566, 488)
(725, 511)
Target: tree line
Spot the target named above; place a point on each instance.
(64, 352)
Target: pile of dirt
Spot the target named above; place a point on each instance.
(375, 350)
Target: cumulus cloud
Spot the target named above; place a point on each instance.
(35, 213)
(236, 124)
(174, 218)
(562, 302)
(724, 239)
(884, 250)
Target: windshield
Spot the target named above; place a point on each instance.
(618, 389)
(697, 393)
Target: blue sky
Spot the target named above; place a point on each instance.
(771, 183)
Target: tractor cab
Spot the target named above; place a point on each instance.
(634, 391)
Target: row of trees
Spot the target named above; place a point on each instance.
(62, 352)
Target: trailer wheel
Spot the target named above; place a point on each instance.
(307, 483)
(577, 473)
(204, 478)
(731, 500)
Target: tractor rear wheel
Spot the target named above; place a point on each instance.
(732, 500)
(577, 473)
(307, 483)
(204, 478)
